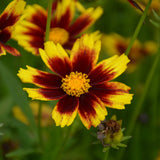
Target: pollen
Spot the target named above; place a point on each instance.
(75, 84)
(58, 35)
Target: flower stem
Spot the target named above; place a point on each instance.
(149, 78)
(63, 143)
(48, 20)
(106, 155)
(39, 124)
(137, 30)
(142, 98)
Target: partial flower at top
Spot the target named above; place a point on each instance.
(78, 82)
(63, 30)
(8, 19)
(115, 44)
(141, 4)
(155, 5)
(46, 112)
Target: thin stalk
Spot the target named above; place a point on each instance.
(48, 20)
(63, 143)
(142, 98)
(138, 28)
(139, 106)
(106, 155)
(46, 39)
(39, 124)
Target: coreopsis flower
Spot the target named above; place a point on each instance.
(30, 33)
(115, 44)
(110, 133)
(46, 112)
(8, 19)
(78, 82)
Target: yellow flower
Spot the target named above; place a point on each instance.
(8, 19)
(115, 44)
(65, 28)
(81, 85)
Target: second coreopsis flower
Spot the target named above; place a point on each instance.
(81, 85)
(8, 19)
(63, 30)
(115, 44)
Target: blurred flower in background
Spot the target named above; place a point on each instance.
(141, 4)
(46, 113)
(155, 5)
(80, 84)
(115, 44)
(8, 20)
(65, 25)
(158, 157)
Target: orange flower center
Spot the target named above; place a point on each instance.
(75, 84)
(58, 35)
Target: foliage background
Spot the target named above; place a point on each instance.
(118, 17)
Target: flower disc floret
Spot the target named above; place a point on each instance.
(75, 84)
(58, 35)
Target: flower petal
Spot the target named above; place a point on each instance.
(11, 50)
(5, 34)
(56, 58)
(65, 111)
(39, 78)
(113, 94)
(91, 110)
(36, 15)
(87, 18)
(108, 69)
(84, 53)
(30, 32)
(64, 14)
(45, 94)
(2, 50)
(12, 13)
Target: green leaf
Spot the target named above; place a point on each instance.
(21, 152)
(18, 95)
(155, 23)
(156, 15)
(5, 107)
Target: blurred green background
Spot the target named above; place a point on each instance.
(119, 17)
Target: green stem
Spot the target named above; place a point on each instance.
(137, 30)
(63, 143)
(39, 124)
(139, 106)
(142, 98)
(106, 155)
(48, 20)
